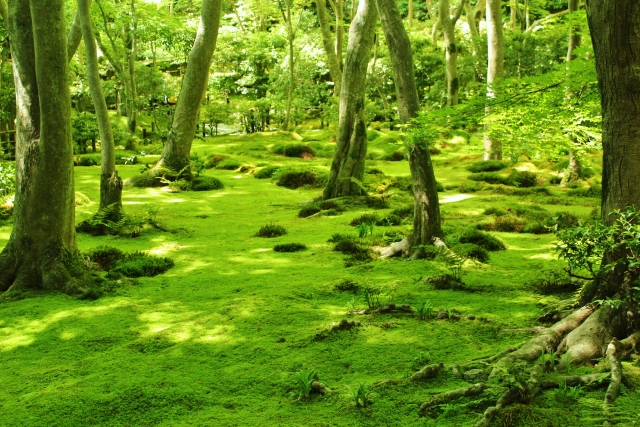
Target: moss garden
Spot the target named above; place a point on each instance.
(259, 304)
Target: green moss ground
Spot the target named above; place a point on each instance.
(215, 340)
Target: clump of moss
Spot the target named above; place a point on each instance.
(214, 160)
(484, 240)
(290, 247)
(206, 183)
(294, 179)
(294, 150)
(271, 230)
(348, 245)
(347, 285)
(307, 211)
(469, 250)
(488, 166)
(365, 219)
(403, 212)
(228, 164)
(266, 172)
(105, 257)
(136, 264)
(593, 191)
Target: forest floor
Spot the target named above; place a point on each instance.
(217, 339)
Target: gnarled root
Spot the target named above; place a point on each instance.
(429, 371)
(589, 341)
(439, 399)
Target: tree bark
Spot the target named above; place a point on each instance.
(43, 239)
(426, 221)
(495, 71)
(178, 146)
(410, 18)
(574, 32)
(351, 146)
(74, 35)
(132, 96)
(110, 182)
(329, 47)
(615, 32)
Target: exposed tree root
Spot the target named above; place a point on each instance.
(318, 387)
(589, 341)
(510, 396)
(429, 371)
(442, 398)
(574, 380)
(547, 341)
(344, 325)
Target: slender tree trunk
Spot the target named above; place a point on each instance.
(110, 182)
(495, 71)
(574, 32)
(351, 147)
(329, 46)
(132, 95)
(410, 13)
(339, 30)
(513, 13)
(74, 35)
(178, 146)
(291, 37)
(376, 80)
(426, 221)
(43, 240)
(473, 22)
(451, 48)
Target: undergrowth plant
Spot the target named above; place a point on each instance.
(359, 395)
(271, 230)
(303, 380)
(425, 310)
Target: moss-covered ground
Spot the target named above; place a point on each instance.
(216, 340)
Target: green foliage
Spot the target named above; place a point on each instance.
(367, 218)
(197, 164)
(490, 178)
(488, 166)
(106, 257)
(485, 240)
(294, 150)
(266, 172)
(84, 128)
(228, 164)
(349, 246)
(7, 179)
(360, 395)
(303, 380)
(271, 230)
(292, 179)
(365, 228)
(206, 183)
(214, 160)
(425, 310)
(290, 247)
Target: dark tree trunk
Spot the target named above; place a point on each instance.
(351, 147)
(426, 221)
(43, 241)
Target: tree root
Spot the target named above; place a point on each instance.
(344, 325)
(442, 398)
(589, 341)
(318, 387)
(429, 371)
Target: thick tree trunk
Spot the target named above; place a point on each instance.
(110, 183)
(351, 147)
(178, 146)
(495, 71)
(615, 32)
(329, 46)
(426, 221)
(43, 240)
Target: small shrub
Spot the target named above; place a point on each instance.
(509, 223)
(469, 250)
(179, 185)
(439, 187)
(563, 220)
(348, 246)
(140, 264)
(374, 171)
(389, 220)
(206, 183)
(290, 247)
(228, 164)
(85, 161)
(359, 395)
(555, 180)
(365, 218)
(487, 166)
(81, 199)
(298, 150)
(376, 202)
(307, 211)
(347, 285)
(445, 282)
(266, 172)
(332, 212)
(271, 230)
(105, 257)
(303, 381)
(484, 240)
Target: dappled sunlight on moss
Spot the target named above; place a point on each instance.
(453, 198)
(260, 260)
(263, 271)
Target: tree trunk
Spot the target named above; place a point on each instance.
(43, 241)
(74, 35)
(291, 37)
(513, 13)
(615, 32)
(329, 46)
(410, 13)
(351, 146)
(132, 96)
(175, 154)
(495, 71)
(110, 183)
(574, 32)
(426, 221)
(451, 48)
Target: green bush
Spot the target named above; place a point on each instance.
(206, 183)
(495, 211)
(469, 250)
(271, 230)
(213, 161)
(536, 227)
(466, 188)
(490, 178)
(266, 172)
(7, 179)
(228, 164)
(388, 220)
(290, 247)
(523, 179)
(484, 240)
(439, 187)
(374, 171)
(106, 257)
(307, 211)
(509, 223)
(488, 166)
(140, 264)
(331, 204)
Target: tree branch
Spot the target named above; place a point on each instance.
(455, 17)
(530, 29)
(106, 31)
